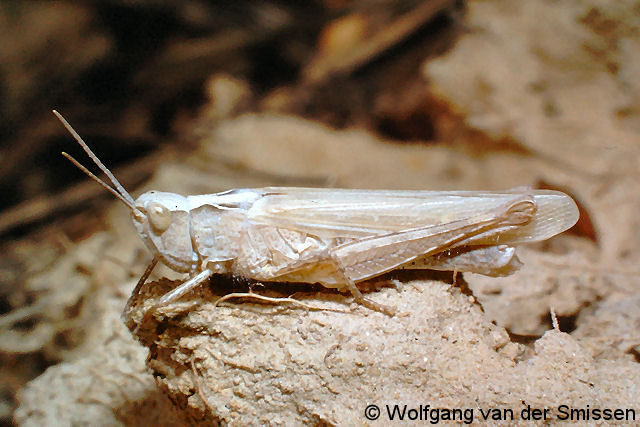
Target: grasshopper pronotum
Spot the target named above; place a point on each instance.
(335, 237)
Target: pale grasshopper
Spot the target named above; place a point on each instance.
(335, 237)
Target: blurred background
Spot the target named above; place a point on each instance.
(132, 75)
(201, 96)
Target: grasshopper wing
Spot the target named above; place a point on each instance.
(364, 213)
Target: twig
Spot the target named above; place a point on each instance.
(198, 383)
(274, 300)
(395, 32)
(554, 320)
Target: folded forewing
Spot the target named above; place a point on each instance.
(361, 213)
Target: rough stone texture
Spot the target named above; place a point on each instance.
(553, 78)
(106, 385)
(255, 363)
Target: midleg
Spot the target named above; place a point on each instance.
(357, 295)
(185, 287)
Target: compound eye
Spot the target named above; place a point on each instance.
(159, 216)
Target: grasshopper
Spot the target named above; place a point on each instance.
(335, 237)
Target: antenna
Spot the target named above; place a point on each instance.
(98, 180)
(119, 190)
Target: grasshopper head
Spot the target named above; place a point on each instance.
(162, 221)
